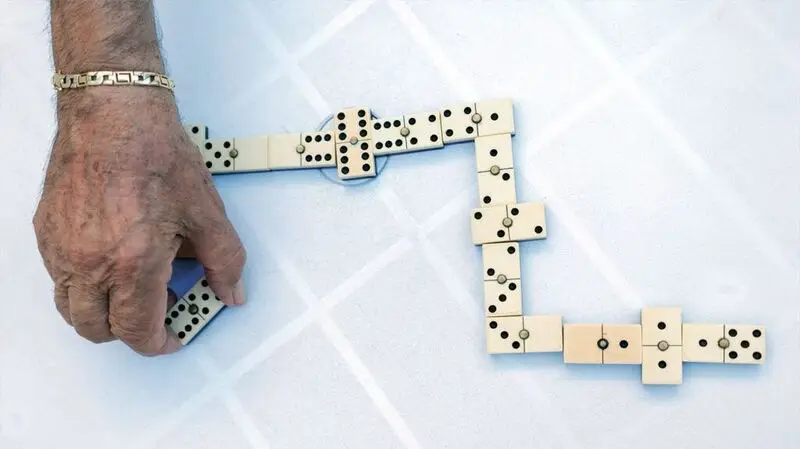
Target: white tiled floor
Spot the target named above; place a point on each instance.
(663, 135)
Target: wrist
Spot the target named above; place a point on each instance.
(117, 105)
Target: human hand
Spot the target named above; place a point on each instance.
(124, 190)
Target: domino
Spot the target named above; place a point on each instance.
(603, 344)
(184, 324)
(202, 296)
(662, 337)
(193, 312)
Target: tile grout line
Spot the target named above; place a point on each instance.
(316, 40)
(367, 381)
(345, 349)
(240, 416)
(558, 127)
(736, 208)
(296, 75)
(753, 20)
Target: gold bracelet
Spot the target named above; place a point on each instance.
(108, 78)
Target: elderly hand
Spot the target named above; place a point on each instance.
(124, 190)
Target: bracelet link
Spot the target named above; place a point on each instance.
(109, 78)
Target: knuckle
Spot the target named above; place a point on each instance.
(86, 256)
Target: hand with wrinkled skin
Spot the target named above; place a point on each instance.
(124, 190)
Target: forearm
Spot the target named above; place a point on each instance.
(104, 35)
(89, 35)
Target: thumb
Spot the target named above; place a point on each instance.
(222, 255)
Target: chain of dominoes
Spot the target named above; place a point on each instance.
(660, 343)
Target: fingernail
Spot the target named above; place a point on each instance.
(238, 293)
(172, 298)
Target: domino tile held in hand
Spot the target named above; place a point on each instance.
(184, 321)
(208, 303)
